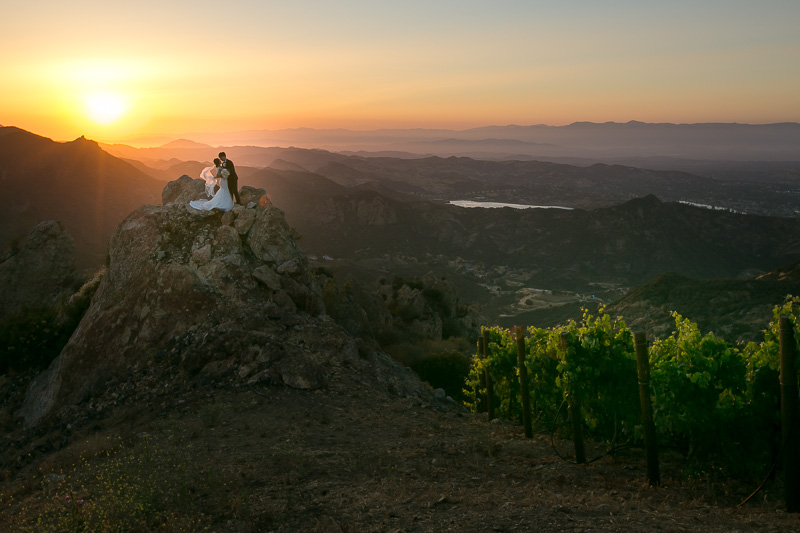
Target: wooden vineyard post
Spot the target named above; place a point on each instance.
(650, 443)
(489, 388)
(523, 383)
(788, 377)
(575, 413)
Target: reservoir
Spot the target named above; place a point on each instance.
(472, 203)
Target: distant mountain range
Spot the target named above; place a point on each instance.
(764, 188)
(609, 142)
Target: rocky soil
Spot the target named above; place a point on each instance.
(345, 457)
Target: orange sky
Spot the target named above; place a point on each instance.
(112, 73)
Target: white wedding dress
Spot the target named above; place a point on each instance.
(222, 200)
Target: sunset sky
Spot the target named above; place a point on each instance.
(113, 70)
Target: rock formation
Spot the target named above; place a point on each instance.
(39, 271)
(192, 298)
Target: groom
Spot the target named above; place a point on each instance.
(233, 179)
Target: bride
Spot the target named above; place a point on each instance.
(222, 200)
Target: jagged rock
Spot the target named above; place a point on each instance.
(183, 190)
(429, 326)
(244, 220)
(40, 271)
(268, 277)
(413, 300)
(250, 195)
(413, 307)
(189, 298)
(270, 244)
(443, 291)
(289, 267)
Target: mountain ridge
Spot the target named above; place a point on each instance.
(77, 183)
(708, 141)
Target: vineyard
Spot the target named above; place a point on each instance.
(715, 402)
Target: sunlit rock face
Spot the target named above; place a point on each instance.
(194, 297)
(39, 270)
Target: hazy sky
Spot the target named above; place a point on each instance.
(112, 70)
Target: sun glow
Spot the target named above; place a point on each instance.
(105, 107)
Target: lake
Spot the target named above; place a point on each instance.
(472, 203)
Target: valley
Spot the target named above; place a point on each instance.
(299, 362)
(378, 215)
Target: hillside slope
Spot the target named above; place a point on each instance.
(731, 309)
(629, 243)
(75, 183)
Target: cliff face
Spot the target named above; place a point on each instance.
(190, 298)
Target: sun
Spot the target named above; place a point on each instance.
(105, 107)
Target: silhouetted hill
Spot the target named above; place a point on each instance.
(184, 150)
(288, 188)
(280, 164)
(789, 272)
(76, 183)
(593, 142)
(180, 150)
(772, 190)
(751, 187)
(628, 243)
(732, 309)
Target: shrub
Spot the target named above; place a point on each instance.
(31, 338)
(446, 369)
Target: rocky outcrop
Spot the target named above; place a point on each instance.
(193, 298)
(427, 307)
(184, 189)
(39, 271)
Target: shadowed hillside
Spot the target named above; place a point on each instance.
(732, 309)
(76, 183)
(628, 243)
(763, 187)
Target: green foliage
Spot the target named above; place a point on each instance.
(35, 336)
(698, 388)
(436, 300)
(716, 401)
(443, 364)
(445, 369)
(598, 367)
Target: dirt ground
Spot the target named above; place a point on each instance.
(350, 459)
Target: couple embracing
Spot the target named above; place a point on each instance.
(223, 172)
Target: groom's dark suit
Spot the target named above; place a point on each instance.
(233, 179)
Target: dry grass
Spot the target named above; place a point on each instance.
(275, 459)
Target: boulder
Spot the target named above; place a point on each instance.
(183, 190)
(39, 271)
(250, 195)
